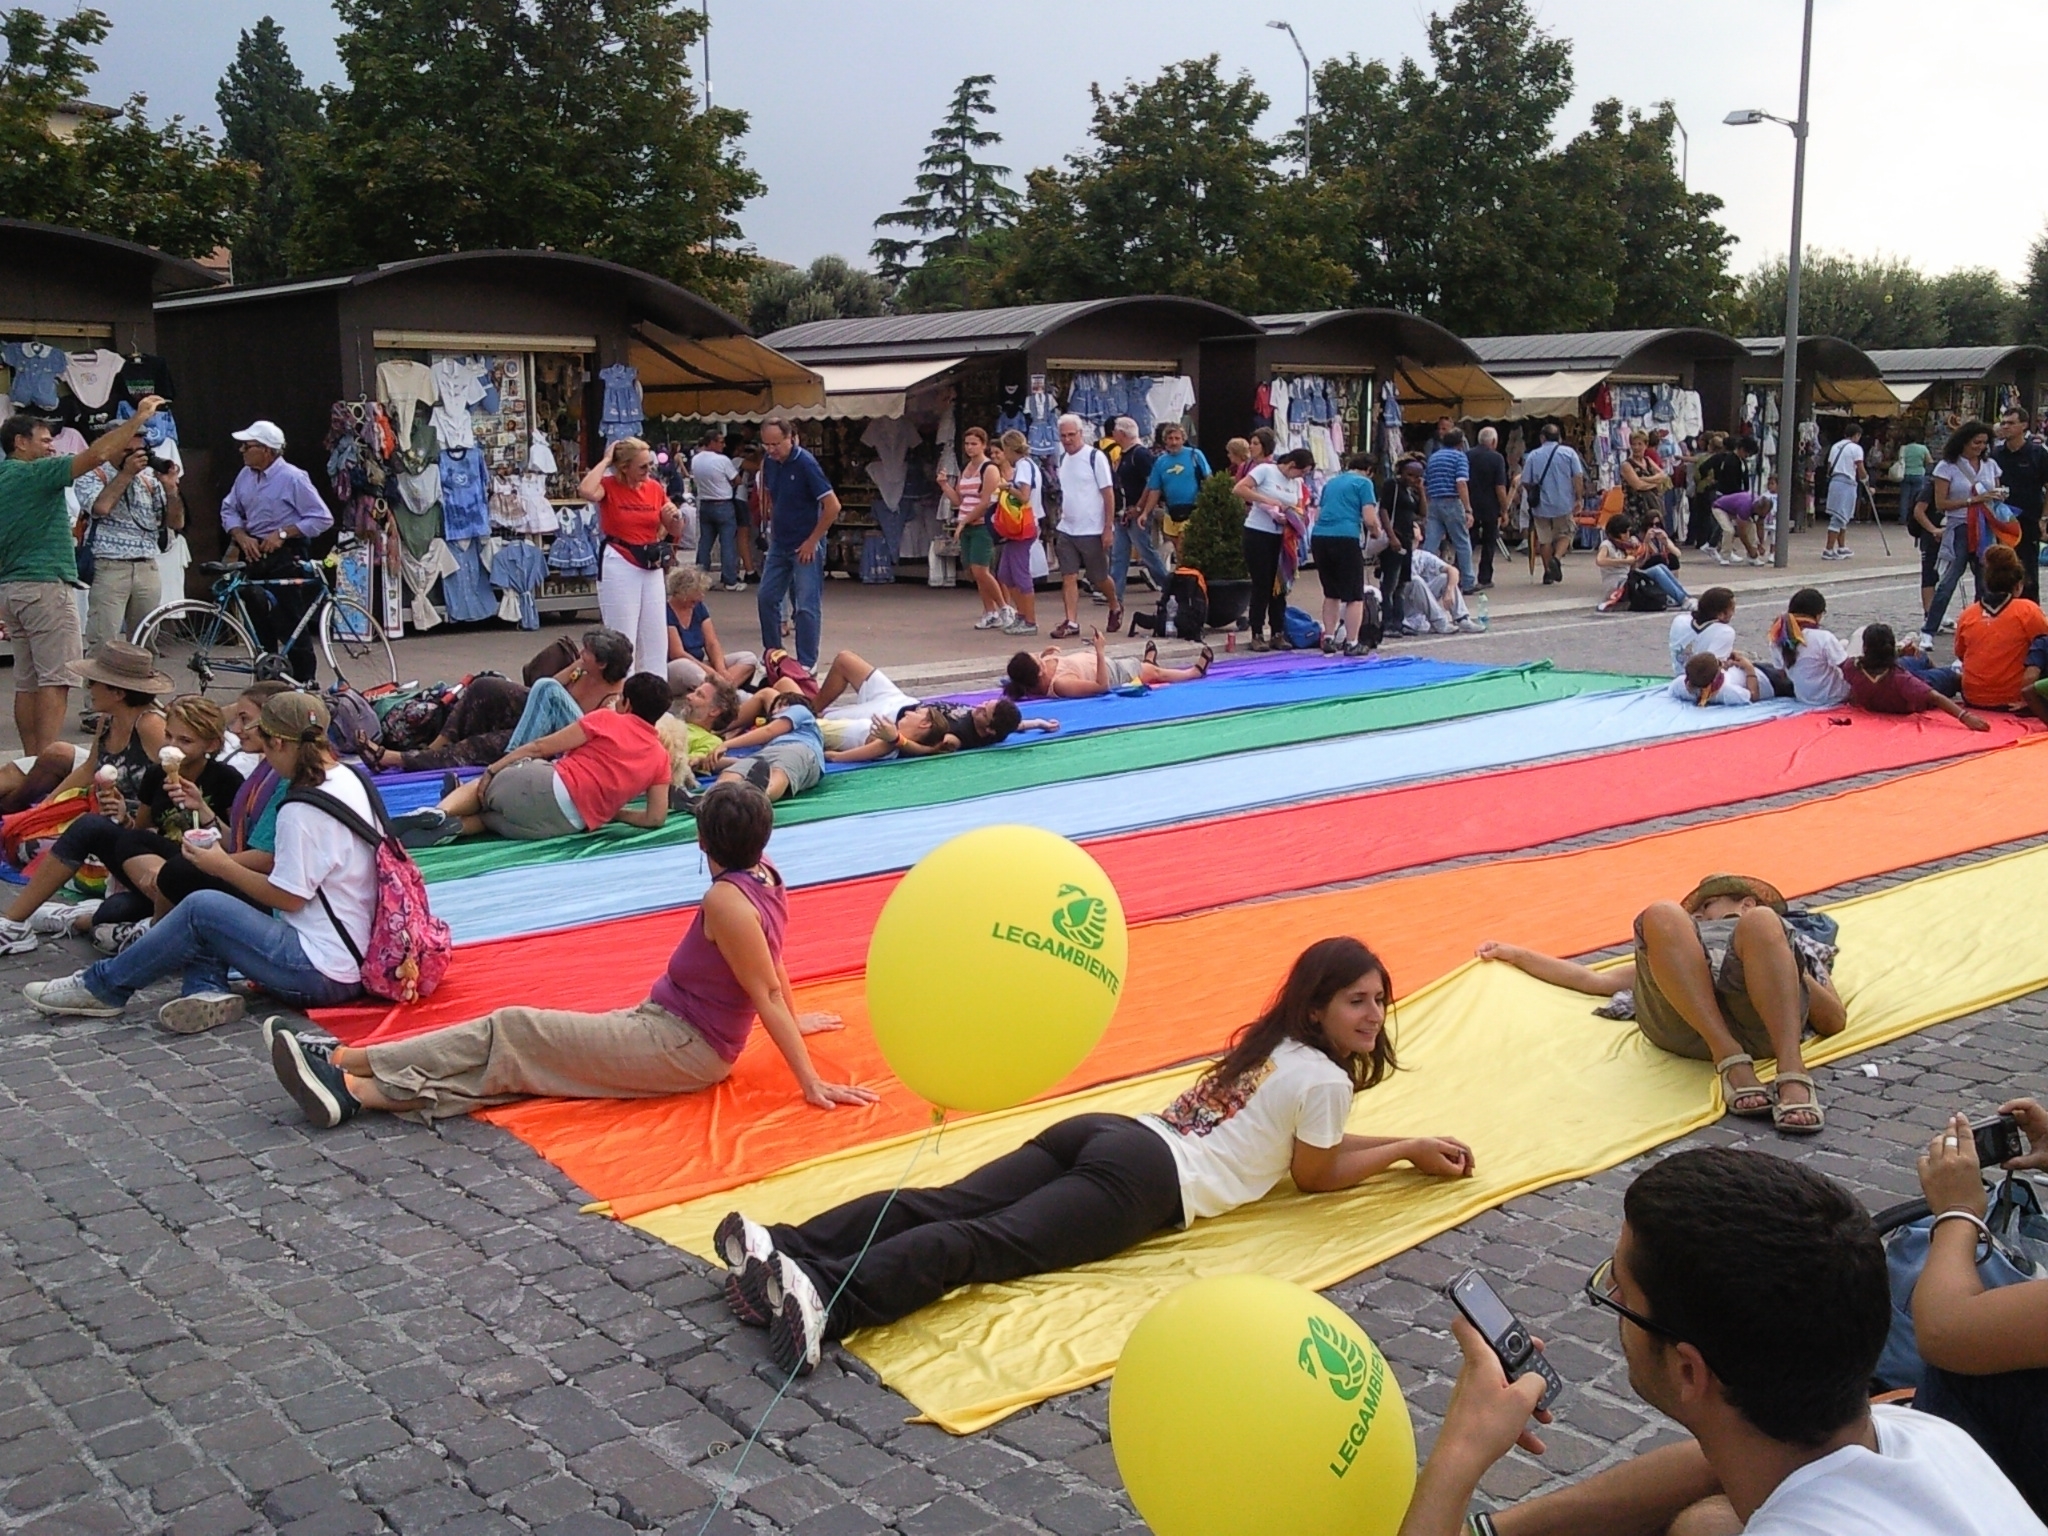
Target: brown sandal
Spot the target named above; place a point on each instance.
(1781, 1110)
(1754, 1102)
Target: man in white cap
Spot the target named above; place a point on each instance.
(269, 515)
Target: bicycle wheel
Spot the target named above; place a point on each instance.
(198, 640)
(353, 643)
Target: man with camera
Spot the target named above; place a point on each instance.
(130, 507)
(1752, 1302)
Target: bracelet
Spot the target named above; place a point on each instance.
(1480, 1524)
(1984, 1240)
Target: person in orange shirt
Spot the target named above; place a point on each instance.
(1994, 634)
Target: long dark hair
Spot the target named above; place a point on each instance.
(1319, 973)
(1959, 439)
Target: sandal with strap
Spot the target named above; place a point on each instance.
(1780, 1111)
(1753, 1102)
(1205, 659)
(1151, 653)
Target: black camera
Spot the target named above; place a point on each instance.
(1998, 1140)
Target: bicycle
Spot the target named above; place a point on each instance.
(219, 635)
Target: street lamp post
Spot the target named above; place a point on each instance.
(1788, 390)
(1684, 153)
(1308, 94)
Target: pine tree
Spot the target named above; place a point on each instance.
(2034, 292)
(264, 104)
(959, 202)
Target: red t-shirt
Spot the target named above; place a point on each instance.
(1897, 692)
(624, 757)
(1992, 649)
(632, 513)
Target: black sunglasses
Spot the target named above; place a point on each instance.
(1600, 1290)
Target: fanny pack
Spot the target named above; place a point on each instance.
(649, 557)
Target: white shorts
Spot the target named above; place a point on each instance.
(876, 696)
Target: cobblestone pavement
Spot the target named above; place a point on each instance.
(215, 1320)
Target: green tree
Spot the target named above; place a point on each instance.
(1179, 195)
(1876, 302)
(561, 124)
(2034, 292)
(264, 104)
(830, 288)
(959, 202)
(1213, 541)
(163, 185)
(1978, 308)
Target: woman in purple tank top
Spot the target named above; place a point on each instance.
(685, 1036)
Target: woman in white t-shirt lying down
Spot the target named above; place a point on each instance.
(322, 889)
(1091, 1186)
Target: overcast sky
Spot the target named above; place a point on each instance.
(842, 96)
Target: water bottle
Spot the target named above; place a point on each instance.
(1481, 609)
(1172, 612)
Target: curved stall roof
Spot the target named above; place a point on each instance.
(1909, 371)
(1435, 367)
(61, 246)
(1603, 352)
(1844, 376)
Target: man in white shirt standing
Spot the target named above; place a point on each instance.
(1752, 1301)
(1846, 474)
(1087, 517)
(718, 509)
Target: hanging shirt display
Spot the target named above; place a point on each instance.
(91, 375)
(892, 438)
(1171, 399)
(1043, 415)
(623, 414)
(467, 589)
(574, 551)
(404, 386)
(465, 504)
(37, 367)
(517, 570)
(422, 571)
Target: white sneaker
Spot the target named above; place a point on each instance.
(749, 1256)
(56, 918)
(1761, 560)
(1845, 553)
(68, 995)
(993, 619)
(197, 1012)
(112, 938)
(1926, 642)
(796, 1332)
(16, 938)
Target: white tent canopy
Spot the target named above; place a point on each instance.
(1550, 394)
(865, 391)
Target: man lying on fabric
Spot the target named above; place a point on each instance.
(1727, 975)
(863, 715)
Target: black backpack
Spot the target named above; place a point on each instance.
(1187, 596)
(1643, 595)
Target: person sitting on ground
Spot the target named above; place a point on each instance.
(1707, 679)
(496, 714)
(1752, 1302)
(187, 787)
(241, 753)
(788, 751)
(1995, 634)
(693, 648)
(1708, 630)
(1433, 601)
(1811, 654)
(1717, 978)
(1089, 1187)
(573, 780)
(1054, 674)
(1986, 1351)
(122, 687)
(683, 1038)
(322, 887)
(1620, 555)
(1885, 682)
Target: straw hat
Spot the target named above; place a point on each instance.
(119, 664)
(1738, 886)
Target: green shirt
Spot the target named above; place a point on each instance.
(35, 520)
(1914, 457)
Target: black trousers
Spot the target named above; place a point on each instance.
(94, 837)
(2006, 1414)
(1262, 564)
(1082, 1190)
(1395, 573)
(2029, 551)
(1485, 534)
(276, 611)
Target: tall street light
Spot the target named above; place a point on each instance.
(1788, 391)
(1308, 93)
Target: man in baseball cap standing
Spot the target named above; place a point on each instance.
(270, 515)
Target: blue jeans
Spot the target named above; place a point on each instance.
(1946, 681)
(1668, 583)
(783, 575)
(1447, 521)
(205, 934)
(1128, 536)
(1909, 492)
(1945, 586)
(719, 521)
(549, 707)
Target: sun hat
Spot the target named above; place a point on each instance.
(120, 664)
(1761, 891)
(293, 717)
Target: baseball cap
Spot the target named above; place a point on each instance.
(293, 717)
(268, 433)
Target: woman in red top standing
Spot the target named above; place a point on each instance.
(635, 517)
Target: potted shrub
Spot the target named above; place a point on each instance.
(1213, 543)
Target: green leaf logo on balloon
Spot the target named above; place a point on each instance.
(1080, 917)
(1342, 1360)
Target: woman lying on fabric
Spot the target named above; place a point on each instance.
(684, 1037)
(122, 687)
(1091, 1186)
(185, 788)
(573, 780)
(322, 886)
(1057, 674)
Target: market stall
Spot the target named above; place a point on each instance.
(1837, 382)
(448, 406)
(1964, 382)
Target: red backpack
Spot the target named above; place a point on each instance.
(409, 947)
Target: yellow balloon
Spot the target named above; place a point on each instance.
(1244, 1404)
(995, 967)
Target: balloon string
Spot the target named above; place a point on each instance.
(930, 1135)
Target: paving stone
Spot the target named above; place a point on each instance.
(788, 1500)
(952, 1515)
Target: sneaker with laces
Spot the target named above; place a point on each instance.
(17, 938)
(69, 995)
(197, 1012)
(53, 919)
(796, 1328)
(993, 619)
(1065, 630)
(748, 1254)
(112, 938)
(310, 1076)
(1020, 626)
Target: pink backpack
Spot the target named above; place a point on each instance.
(409, 947)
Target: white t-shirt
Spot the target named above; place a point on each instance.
(1817, 669)
(1084, 476)
(1964, 481)
(1272, 479)
(1926, 1478)
(317, 855)
(876, 696)
(1232, 1146)
(1844, 459)
(1028, 475)
(715, 474)
(1717, 639)
(1733, 691)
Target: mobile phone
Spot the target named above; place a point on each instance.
(1506, 1333)
(1998, 1140)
